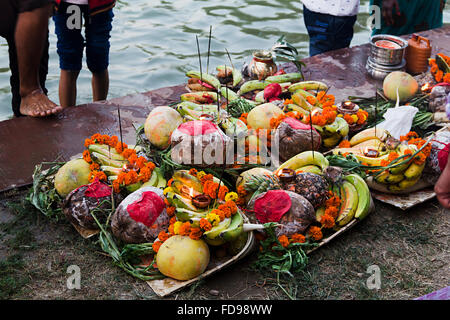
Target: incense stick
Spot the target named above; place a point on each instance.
(229, 58)
(376, 109)
(311, 129)
(209, 46)
(199, 59)
(120, 126)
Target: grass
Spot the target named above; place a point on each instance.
(410, 248)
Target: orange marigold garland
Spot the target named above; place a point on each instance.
(438, 74)
(142, 168)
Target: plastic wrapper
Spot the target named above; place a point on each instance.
(299, 216)
(79, 204)
(199, 143)
(398, 120)
(140, 216)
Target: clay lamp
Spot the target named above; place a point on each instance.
(348, 107)
(206, 117)
(426, 88)
(371, 153)
(201, 201)
(286, 175)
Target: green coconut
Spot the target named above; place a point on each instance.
(405, 83)
(72, 175)
(160, 124)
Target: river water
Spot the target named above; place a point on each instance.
(153, 42)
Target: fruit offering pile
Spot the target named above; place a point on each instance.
(158, 202)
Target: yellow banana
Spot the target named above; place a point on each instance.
(364, 197)
(350, 204)
(310, 168)
(304, 159)
(299, 100)
(319, 213)
(308, 85)
(332, 141)
(368, 134)
(372, 161)
(404, 184)
(414, 171)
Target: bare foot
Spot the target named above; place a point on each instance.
(37, 104)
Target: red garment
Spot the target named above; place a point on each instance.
(97, 6)
(443, 157)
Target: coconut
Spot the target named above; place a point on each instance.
(73, 174)
(200, 143)
(259, 117)
(405, 83)
(79, 204)
(140, 216)
(293, 137)
(292, 211)
(160, 124)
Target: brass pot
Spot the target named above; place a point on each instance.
(262, 65)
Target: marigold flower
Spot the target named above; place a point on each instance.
(223, 190)
(315, 233)
(327, 221)
(170, 211)
(344, 144)
(94, 166)
(176, 227)
(156, 245)
(213, 218)
(231, 196)
(298, 238)
(195, 234)
(193, 172)
(185, 229)
(87, 156)
(284, 241)
(163, 236)
(205, 224)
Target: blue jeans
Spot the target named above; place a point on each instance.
(71, 43)
(327, 32)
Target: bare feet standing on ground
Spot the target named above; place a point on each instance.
(37, 104)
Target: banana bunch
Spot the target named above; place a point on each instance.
(180, 194)
(333, 133)
(365, 141)
(305, 161)
(356, 201)
(112, 164)
(403, 176)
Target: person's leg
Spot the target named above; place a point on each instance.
(317, 26)
(343, 32)
(100, 85)
(98, 31)
(30, 40)
(68, 87)
(14, 79)
(70, 45)
(327, 32)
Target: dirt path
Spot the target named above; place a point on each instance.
(411, 249)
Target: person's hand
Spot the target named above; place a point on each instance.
(388, 7)
(442, 187)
